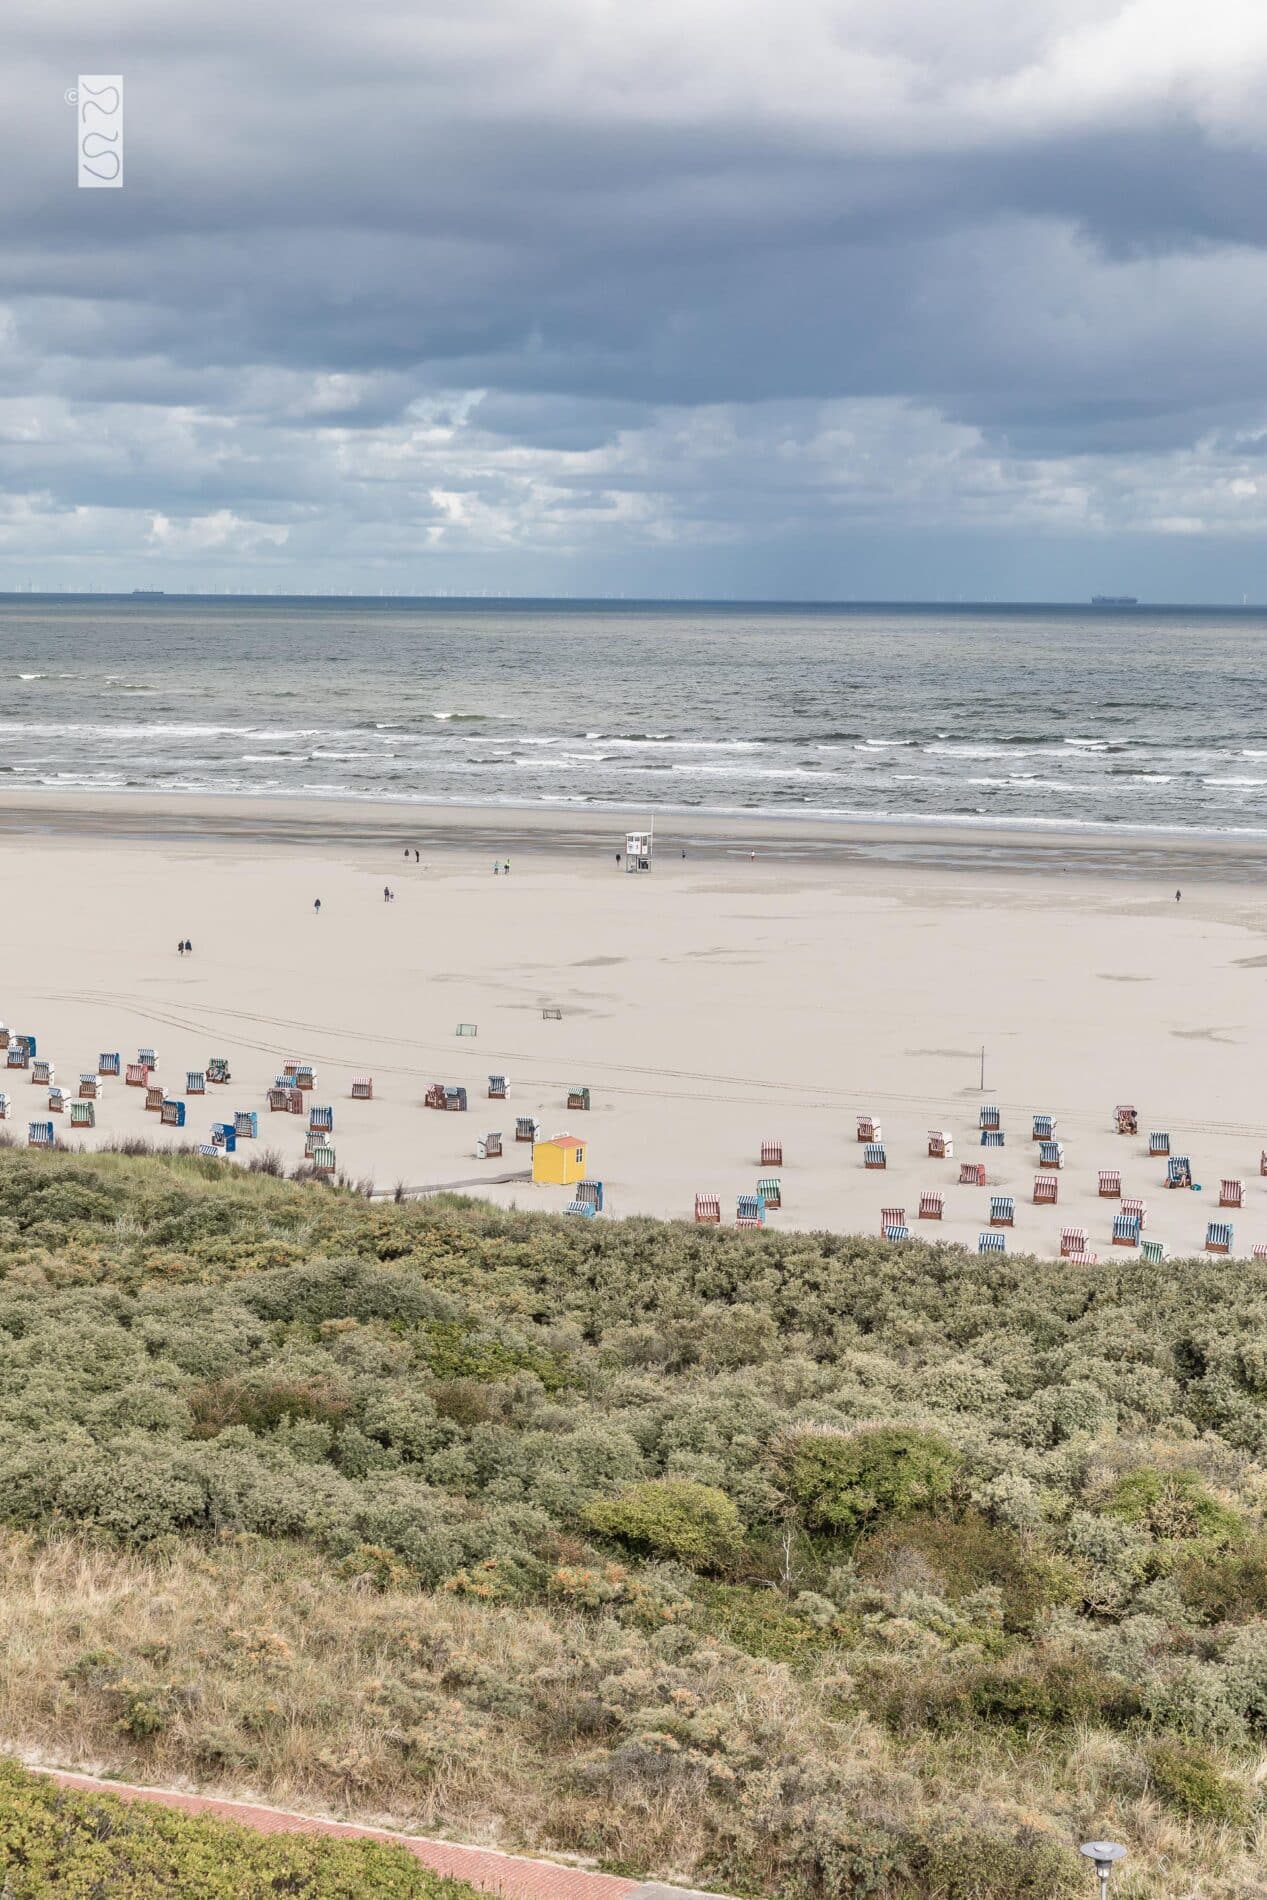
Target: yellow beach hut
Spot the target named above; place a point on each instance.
(559, 1161)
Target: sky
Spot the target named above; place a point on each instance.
(823, 299)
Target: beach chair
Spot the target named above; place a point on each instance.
(224, 1137)
(434, 1097)
(1178, 1172)
(154, 1097)
(1044, 1128)
(209, 1151)
(498, 1087)
(1051, 1154)
(578, 1098)
(707, 1210)
(17, 1056)
(902, 1232)
(1127, 1119)
(1085, 1259)
(1231, 1193)
(585, 1208)
(1153, 1251)
(83, 1114)
(246, 1124)
(1159, 1142)
(89, 1087)
(873, 1155)
(363, 1089)
(56, 1100)
(592, 1191)
(993, 1242)
(868, 1128)
(4, 1035)
(770, 1188)
(108, 1062)
(1260, 1250)
(468, 1029)
(989, 1116)
(991, 1137)
(488, 1147)
(195, 1081)
(1002, 1210)
(305, 1076)
(1110, 1184)
(552, 1015)
(172, 1114)
(1072, 1240)
(1046, 1190)
(932, 1204)
(750, 1211)
(455, 1099)
(1125, 1230)
(1218, 1236)
(1136, 1208)
(772, 1154)
(6, 1106)
(314, 1138)
(941, 1146)
(972, 1174)
(149, 1057)
(39, 1135)
(323, 1161)
(527, 1128)
(892, 1217)
(289, 1071)
(28, 1043)
(137, 1076)
(217, 1069)
(277, 1099)
(42, 1073)
(321, 1117)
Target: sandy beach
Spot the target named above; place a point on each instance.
(721, 1000)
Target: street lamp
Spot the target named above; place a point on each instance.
(1103, 1853)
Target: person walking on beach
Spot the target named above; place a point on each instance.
(506, 867)
(417, 860)
(189, 948)
(618, 860)
(1178, 895)
(387, 896)
(181, 947)
(317, 907)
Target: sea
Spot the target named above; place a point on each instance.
(1142, 717)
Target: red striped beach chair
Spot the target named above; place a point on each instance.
(868, 1128)
(1110, 1184)
(137, 1075)
(1135, 1208)
(1260, 1250)
(1084, 1259)
(1073, 1240)
(972, 1174)
(434, 1097)
(363, 1089)
(1218, 1236)
(154, 1097)
(892, 1217)
(708, 1210)
(932, 1204)
(1231, 1193)
(772, 1154)
(89, 1088)
(1046, 1190)
(1126, 1118)
(941, 1145)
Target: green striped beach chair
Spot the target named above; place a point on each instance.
(83, 1114)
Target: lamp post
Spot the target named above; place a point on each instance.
(1104, 1854)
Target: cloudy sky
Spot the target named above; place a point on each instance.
(796, 298)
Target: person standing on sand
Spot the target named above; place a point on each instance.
(181, 947)
(317, 908)
(189, 948)
(417, 860)
(506, 867)
(1178, 895)
(618, 860)
(387, 896)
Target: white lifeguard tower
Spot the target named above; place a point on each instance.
(638, 848)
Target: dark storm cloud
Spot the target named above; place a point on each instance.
(409, 284)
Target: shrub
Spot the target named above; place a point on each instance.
(844, 1481)
(1226, 1584)
(671, 1517)
(1172, 1504)
(1190, 1783)
(965, 1553)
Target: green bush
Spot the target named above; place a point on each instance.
(1191, 1784)
(53, 1841)
(671, 1517)
(963, 1554)
(844, 1481)
(1226, 1584)
(1173, 1504)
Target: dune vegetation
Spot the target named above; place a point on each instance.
(791, 1565)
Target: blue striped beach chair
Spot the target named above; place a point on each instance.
(1178, 1172)
(195, 1081)
(108, 1062)
(993, 1242)
(989, 1116)
(323, 1159)
(770, 1188)
(498, 1087)
(1051, 1154)
(321, 1118)
(209, 1151)
(527, 1128)
(992, 1138)
(83, 1114)
(1159, 1142)
(39, 1134)
(873, 1155)
(29, 1044)
(42, 1072)
(246, 1124)
(17, 1056)
(750, 1211)
(56, 1101)
(172, 1114)
(901, 1232)
(593, 1191)
(89, 1087)
(1126, 1230)
(1153, 1251)
(305, 1076)
(586, 1208)
(149, 1057)
(1218, 1236)
(1044, 1128)
(1002, 1210)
